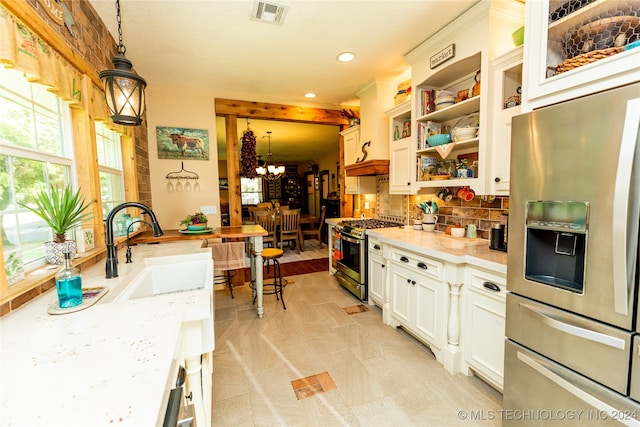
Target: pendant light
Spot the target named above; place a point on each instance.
(123, 89)
(269, 170)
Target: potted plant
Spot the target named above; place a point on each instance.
(196, 222)
(62, 209)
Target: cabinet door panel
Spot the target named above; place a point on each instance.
(376, 278)
(430, 313)
(400, 168)
(401, 295)
(486, 336)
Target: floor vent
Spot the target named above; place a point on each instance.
(270, 12)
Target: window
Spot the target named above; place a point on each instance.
(36, 152)
(251, 190)
(110, 166)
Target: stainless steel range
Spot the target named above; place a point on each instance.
(350, 253)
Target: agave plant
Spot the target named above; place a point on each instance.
(61, 209)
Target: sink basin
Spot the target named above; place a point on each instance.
(175, 273)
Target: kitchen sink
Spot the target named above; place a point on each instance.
(174, 273)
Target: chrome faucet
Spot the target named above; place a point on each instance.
(112, 257)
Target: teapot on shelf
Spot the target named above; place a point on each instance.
(475, 90)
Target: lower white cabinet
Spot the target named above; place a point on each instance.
(484, 325)
(418, 297)
(376, 271)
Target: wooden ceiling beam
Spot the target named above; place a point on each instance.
(290, 113)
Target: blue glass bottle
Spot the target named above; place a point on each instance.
(69, 284)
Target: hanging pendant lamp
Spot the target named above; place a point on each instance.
(123, 89)
(269, 170)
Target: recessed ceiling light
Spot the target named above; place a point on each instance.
(309, 95)
(346, 56)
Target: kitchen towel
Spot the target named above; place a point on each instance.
(228, 255)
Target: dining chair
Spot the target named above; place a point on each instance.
(269, 221)
(264, 205)
(290, 227)
(315, 233)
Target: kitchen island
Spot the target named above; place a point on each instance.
(110, 364)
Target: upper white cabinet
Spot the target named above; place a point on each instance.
(559, 35)
(458, 59)
(351, 138)
(505, 103)
(401, 165)
(353, 154)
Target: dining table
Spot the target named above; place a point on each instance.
(253, 233)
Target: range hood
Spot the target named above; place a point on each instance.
(368, 168)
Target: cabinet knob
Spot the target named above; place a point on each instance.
(189, 396)
(491, 286)
(422, 265)
(413, 282)
(376, 247)
(496, 179)
(408, 183)
(382, 265)
(404, 259)
(408, 280)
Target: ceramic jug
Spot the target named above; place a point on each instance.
(471, 231)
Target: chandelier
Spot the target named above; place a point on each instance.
(269, 170)
(123, 89)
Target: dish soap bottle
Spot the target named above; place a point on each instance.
(69, 284)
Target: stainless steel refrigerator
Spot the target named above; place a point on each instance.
(573, 330)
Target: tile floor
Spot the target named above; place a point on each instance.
(356, 370)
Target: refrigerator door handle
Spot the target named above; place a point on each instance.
(577, 331)
(566, 384)
(621, 198)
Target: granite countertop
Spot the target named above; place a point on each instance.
(110, 364)
(474, 252)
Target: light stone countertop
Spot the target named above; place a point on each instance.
(110, 364)
(474, 252)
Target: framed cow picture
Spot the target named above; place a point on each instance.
(182, 143)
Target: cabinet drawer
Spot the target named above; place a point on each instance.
(374, 245)
(417, 262)
(487, 283)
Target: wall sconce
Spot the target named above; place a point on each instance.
(123, 89)
(180, 175)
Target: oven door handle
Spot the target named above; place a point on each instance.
(349, 239)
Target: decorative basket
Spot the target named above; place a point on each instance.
(586, 58)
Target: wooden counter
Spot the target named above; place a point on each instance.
(234, 232)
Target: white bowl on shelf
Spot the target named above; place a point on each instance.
(461, 134)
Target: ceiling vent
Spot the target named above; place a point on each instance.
(270, 12)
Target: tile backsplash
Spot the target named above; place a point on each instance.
(483, 212)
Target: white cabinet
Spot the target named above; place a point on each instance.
(469, 43)
(359, 184)
(507, 81)
(376, 271)
(352, 152)
(401, 167)
(557, 36)
(351, 139)
(484, 325)
(418, 297)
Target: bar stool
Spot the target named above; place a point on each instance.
(272, 254)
